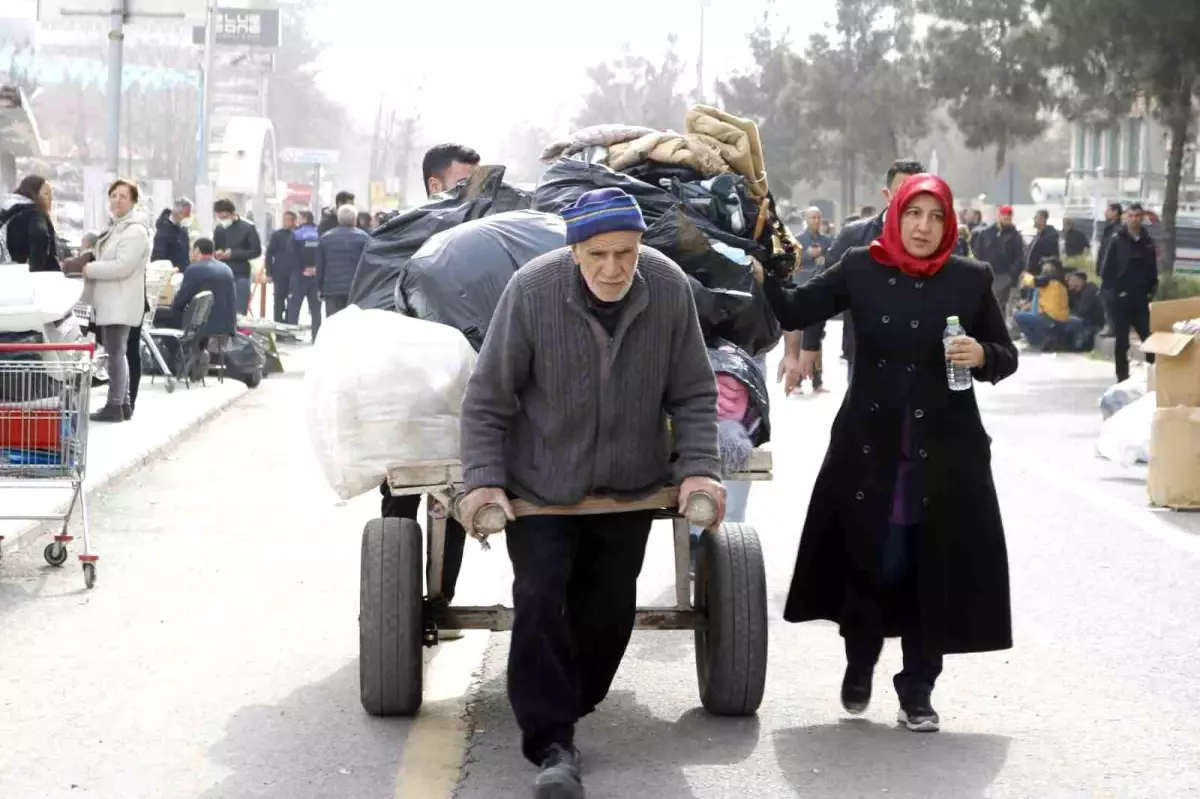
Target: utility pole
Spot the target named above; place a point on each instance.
(116, 54)
(210, 15)
(700, 93)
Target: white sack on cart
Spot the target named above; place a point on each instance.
(1125, 436)
(1122, 394)
(383, 389)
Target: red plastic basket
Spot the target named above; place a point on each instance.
(31, 430)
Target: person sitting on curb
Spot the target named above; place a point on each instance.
(1087, 313)
(591, 347)
(1048, 310)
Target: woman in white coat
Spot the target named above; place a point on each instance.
(116, 290)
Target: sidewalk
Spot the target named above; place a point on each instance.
(114, 449)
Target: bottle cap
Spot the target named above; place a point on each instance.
(952, 320)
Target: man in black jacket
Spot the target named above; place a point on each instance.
(337, 258)
(1130, 274)
(282, 263)
(237, 243)
(329, 219)
(1000, 245)
(1112, 223)
(304, 281)
(1045, 244)
(171, 242)
(802, 350)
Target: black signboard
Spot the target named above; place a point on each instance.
(256, 27)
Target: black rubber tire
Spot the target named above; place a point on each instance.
(55, 553)
(731, 648)
(89, 575)
(254, 380)
(391, 595)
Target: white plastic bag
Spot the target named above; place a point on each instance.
(1125, 436)
(1122, 394)
(383, 389)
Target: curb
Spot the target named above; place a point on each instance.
(36, 529)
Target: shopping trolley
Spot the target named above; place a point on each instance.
(44, 394)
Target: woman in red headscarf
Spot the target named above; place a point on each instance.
(904, 535)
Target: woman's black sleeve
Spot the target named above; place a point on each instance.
(41, 246)
(990, 330)
(823, 297)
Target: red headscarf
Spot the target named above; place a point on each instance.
(889, 250)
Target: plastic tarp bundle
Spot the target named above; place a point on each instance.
(383, 389)
(567, 180)
(727, 358)
(457, 277)
(1122, 394)
(394, 243)
(1125, 436)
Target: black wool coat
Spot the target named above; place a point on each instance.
(961, 591)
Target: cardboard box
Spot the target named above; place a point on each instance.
(1174, 477)
(1177, 369)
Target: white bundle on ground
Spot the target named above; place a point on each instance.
(383, 389)
(1123, 394)
(1125, 436)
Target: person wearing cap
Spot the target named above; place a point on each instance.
(590, 350)
(1000, 246)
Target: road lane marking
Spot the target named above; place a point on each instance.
(1145, 519)
(437, 742)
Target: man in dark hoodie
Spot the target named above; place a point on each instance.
(283, 262)
(1130, 275)
(304, 281)
(237, 244)
(171, 242)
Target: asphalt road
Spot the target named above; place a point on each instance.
(216, 657)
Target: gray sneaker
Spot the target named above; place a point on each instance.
(918, 715)
(559, 778)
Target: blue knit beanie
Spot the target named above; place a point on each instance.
(602, 211)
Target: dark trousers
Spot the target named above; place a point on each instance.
(1129, 312)
(241, 293)
(335, 303)
(921, 670)
(456, 537)
(133, 354)
(282, 281)
(305, 288)
(574, 602)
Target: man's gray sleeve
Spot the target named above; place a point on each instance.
(491, 400)
(692, 398)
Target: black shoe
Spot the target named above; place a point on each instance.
(109, 413)
(127, 412)
(918, 714)
(559, 778)
(856, 690)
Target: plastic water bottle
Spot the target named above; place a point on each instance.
(959, 377)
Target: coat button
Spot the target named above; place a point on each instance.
(925, 501)
(923, 454)
(920, 414)
(882, 362)
(914, 324)
(866, 449)
(886, 319)
(892, 281)
(912, 367)
(874, 407)
(860, 496)
(919, 283)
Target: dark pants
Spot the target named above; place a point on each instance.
(133, 354)
(1129, 312)
(456, 537)
(305, 288)
(335, 303)
(241, 293)
(899, 574)
(282, 281)
(574, 601)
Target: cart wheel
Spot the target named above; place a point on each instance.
(254, 380)
(731, 593)
(89, 574)
(56, 553)
(391, 597)
(170, 385)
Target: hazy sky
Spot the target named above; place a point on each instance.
(473, 68)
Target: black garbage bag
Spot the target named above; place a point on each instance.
(394, 242)
(245, 359)
(686, 238)
(753, 326)
(457, 277)
(726, 357)
(716, 307)
(567, 180)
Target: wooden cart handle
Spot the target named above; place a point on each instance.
(701, 510)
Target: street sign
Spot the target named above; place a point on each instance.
(306, 155)
(256, 27)
(58, 9)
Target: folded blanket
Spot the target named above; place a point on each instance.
(594, 136)
(668, 147)
(736, 140)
